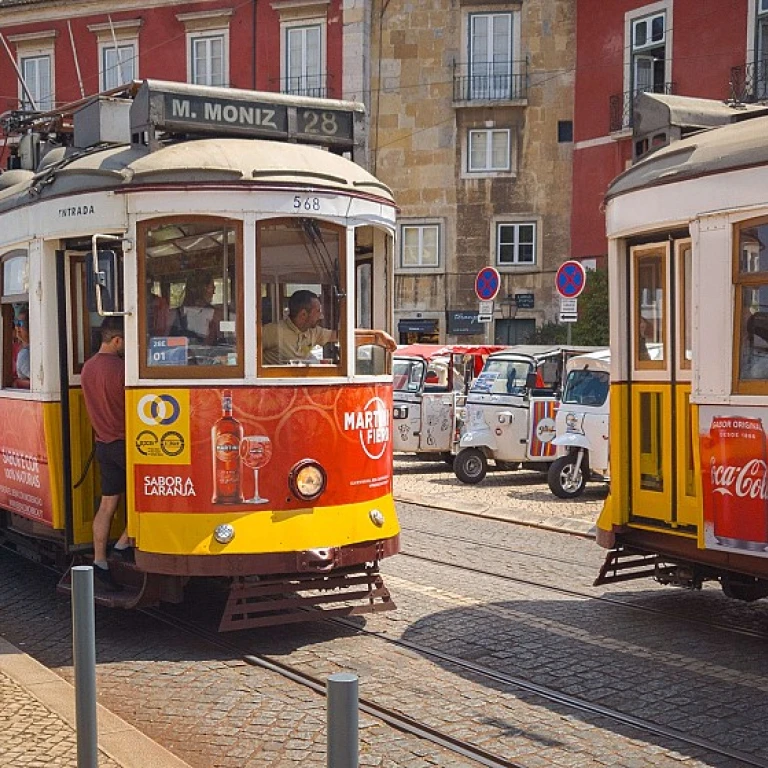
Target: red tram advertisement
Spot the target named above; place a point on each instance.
(687, 226)
(250, 262)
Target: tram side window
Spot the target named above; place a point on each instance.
(15, 320)
(649, 309)
(191, 297)
(752, 307)
(301, 280)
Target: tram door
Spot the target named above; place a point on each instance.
(662, 436)
(84, 338)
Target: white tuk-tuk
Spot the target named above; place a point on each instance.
(510, 411)
(430, 388)
(582, 425)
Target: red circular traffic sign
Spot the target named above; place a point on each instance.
(571, 279)
(487, 283)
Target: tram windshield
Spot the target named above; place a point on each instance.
(586, 387)
(500, 376)
(408, 374)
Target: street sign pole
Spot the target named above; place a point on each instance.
(487, 284)
(570, 280)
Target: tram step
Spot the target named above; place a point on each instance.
(625, 565)
(270, 602)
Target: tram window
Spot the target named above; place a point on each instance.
(191, 298)
(685, 262)
(15, 320)
(301, 281)
(649, 309)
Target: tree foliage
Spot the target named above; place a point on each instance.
(592, 328)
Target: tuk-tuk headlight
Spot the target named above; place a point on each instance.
(307, 480)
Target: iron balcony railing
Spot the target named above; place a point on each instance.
(490, 81)
(749, 82)
(315, 86)
(621, 105)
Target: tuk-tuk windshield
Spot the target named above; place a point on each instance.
(503, 377)
(408, 374)
(586, 387)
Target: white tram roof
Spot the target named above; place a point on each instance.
(728, 147)
(255, 162)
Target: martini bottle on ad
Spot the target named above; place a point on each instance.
(226, 436)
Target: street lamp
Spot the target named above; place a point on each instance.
(508, 306)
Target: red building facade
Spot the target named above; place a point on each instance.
(68, 51)
(703, 48)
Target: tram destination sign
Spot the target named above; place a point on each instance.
(180, 108)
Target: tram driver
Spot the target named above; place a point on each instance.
(294, 337)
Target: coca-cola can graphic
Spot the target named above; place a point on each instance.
(734, 467)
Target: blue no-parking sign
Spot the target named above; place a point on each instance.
(570, 279)
(487, 283)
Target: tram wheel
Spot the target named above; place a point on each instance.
(746, 588)
(565, 481)
(470, 465)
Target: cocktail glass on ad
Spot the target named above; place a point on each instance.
(255, 452)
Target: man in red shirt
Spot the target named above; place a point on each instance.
(103, 383)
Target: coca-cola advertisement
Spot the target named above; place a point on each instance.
(733, 467)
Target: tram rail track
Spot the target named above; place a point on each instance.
(744, 631)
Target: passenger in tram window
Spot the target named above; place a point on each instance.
(159, 318)
(21, 326)
(103, 383)
(197, 318)
(294, 337)
(642, 344)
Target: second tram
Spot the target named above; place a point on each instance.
(688, 228)
(196, 213)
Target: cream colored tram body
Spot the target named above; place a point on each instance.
(241, 462)
(687, 229)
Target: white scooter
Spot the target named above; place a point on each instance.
(582, 426)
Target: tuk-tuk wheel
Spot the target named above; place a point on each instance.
(565, 481)
(470, 465)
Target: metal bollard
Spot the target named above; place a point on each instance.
(342, 721)
(84, 655)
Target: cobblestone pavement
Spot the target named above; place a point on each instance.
(517, 496)
(211, 709)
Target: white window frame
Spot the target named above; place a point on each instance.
(421, 226)
(488, 168)
(202, 25)
(42, 101)
(286, 29)
(36, 45)
(119, 70)
(516, 263)
(646, 12)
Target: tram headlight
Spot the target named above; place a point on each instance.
(307, 479)
(224, 533)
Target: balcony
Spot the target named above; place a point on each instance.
(749, 83)
(315, 86)
(621, 105)
(485, 81)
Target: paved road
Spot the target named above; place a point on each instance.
(517, 496)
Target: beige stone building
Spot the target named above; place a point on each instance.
(471, 125)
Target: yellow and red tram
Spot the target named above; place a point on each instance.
(687, 228)
(274, 472)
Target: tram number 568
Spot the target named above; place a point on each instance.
(306, 203)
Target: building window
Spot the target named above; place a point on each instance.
(36, 71)
(15, 319)
(761, 62)
(489, 150)
(303, 64)
(207, 63)
(515, 244)
(649, 40)
(118, 65)
(420, 245)
(564, 131)
(490, 55)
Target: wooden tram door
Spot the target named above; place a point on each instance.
(663, 435)
(83, 340)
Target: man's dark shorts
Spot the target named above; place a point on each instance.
(111, 458)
